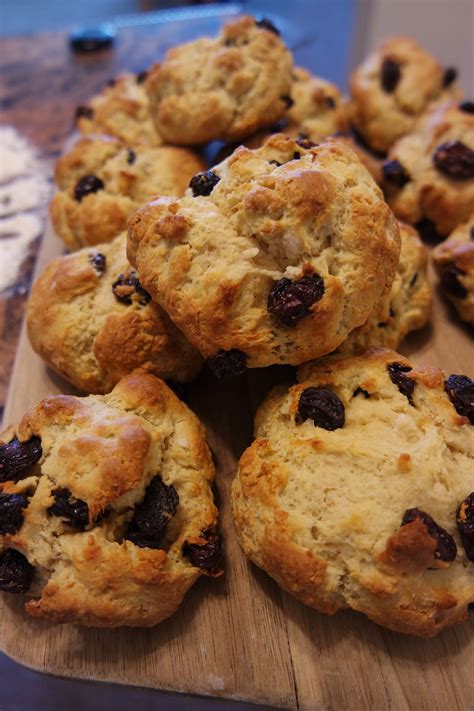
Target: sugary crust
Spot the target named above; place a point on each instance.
(122, 110)
(129, 179)
(429, 193)
(456, 255)
(381, 116)
(406, 307)
(220, 256)
(321, 510)
(78, 326)
(224, 88)
(105, 450)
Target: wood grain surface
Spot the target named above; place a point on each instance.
(241, 636)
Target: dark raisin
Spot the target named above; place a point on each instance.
(361, 391)
(305, 143)
(467, 107)
(86, 186)
(322, 406)
(131, 156)
(17, 457)
(16, 573)
(290, 301)
(449, 281)
(454, 159)
(460, 390)
(446, 549)
(207, 555)
(390, 75)
(413, 279)
(98, 262)
(288, 101)
(141, 77)
(275, 162)
(397, 375)
(296, 155)
(126, 286)
(465, 523)
(382, 324)
(450, 74)
(11, 512)
(111, 82)
(428, 232)
(266, 24)
(330, 103)
(227, 364)
(74, 511)
(279, 126)
(204, 183)
(153, 514)
(394, 172)
(84, 112)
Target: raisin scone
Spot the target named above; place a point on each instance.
(223, 88)
(122, 109)
(358, 491)
(274, 256)
(106, 510)
(393, 87)
(90, 319)
(100, 182)
(454, 262)
(407, 305)
(429, 175)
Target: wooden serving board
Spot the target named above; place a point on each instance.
(241, 636)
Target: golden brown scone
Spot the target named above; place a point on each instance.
(393, 87)
(122, 110)
(429, 175)
(107, 510)
(101, 182)
(90, 319)
(224, 88)
(407, 305)
(454, 262)
(358, 491)
(276, 256)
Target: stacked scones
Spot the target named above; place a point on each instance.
(303, 245)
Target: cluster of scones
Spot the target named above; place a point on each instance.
(300, 240)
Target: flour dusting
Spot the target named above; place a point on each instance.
(24, 192)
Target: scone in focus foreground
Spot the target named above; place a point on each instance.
(107, 516)
(275, 256)
(91, 320)
(358, 491)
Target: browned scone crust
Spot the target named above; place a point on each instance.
(405, 308)
(281, 211)
(105, 451)
(430, 192)
(321, 510)
(223, 88)
(130, 177)
(454, 262)
(93, 328)
(122, 109)
(371, 161)
(383, 115)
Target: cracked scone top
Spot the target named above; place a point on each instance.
(121, 109)
(393, 87)
(454, 261)
(223, 88)
(406, 307)
(429, 175)
(358, 491)
(107, 515)
(101, 181)
(90, 319)
(275, 257)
